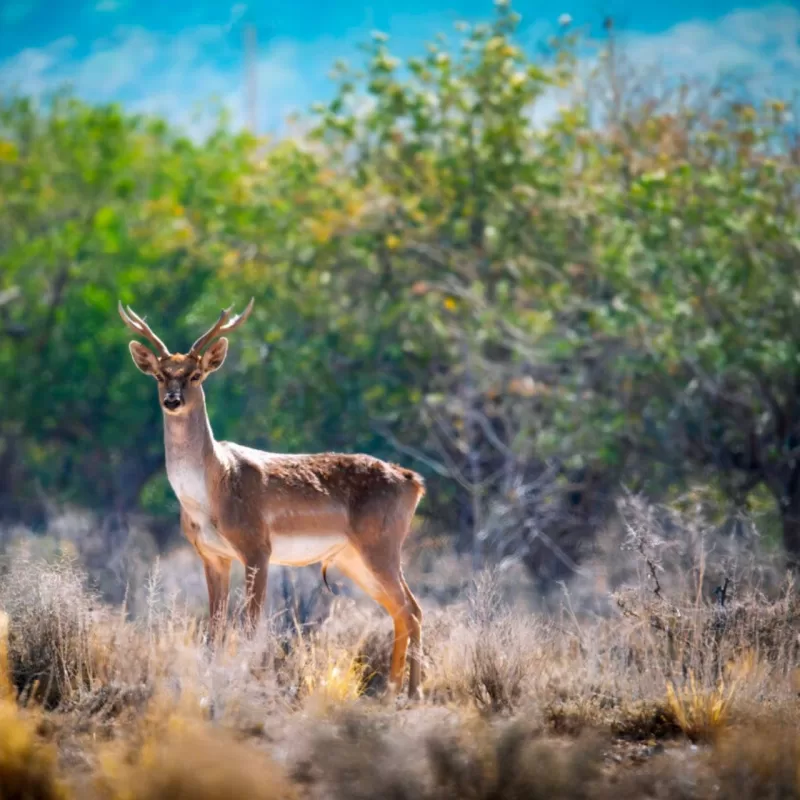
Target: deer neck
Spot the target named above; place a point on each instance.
(191, 454)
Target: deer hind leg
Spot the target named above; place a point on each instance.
(415, 654)
(385, 585)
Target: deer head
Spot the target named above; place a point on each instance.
(180, 376)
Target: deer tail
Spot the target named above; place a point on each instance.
(325, 577)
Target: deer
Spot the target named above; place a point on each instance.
(350, 511)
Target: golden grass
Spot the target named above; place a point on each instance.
(6, 687)
(703, 711)
(339, 678)
(700, 712)
(190, 761)
(510, 699)
(27, 767)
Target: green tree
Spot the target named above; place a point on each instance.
(624, 291)
(531, 311)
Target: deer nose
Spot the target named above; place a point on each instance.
(172, 400)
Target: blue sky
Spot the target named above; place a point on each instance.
(173, 58)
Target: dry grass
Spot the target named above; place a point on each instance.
(486, 655)
(760, 761)
(366, 756)
(50, 631)
(700, 713)
(190, 762)
(27, 766)
(565, 703)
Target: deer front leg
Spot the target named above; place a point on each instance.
(218, 578)
(242, 524)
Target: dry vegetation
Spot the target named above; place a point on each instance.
(672, 674)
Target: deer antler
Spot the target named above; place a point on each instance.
(221, 326)
(138, 325)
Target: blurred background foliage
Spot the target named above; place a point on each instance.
(534, 314)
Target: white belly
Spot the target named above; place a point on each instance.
(299, 549)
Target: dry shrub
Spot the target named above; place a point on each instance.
(624, 718)
(644, 720)
(572, 716)
(514, 763)
(361, 757)
(769, 626)
(51, 616)
(27, 768)
(666, 776)
(194, 762)
(759, 761)
(343, 658)
(326, 666)
(698, 590)
(484, 660)
(706, 619)
(366, 756)
(331, 677)
(489, 656)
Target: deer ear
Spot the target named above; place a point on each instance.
(214, 357)
(144, 359)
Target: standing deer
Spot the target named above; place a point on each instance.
(351, 511)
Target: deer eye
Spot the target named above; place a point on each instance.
(196, 377)
(160, 378)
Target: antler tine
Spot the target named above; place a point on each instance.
(138, 325)
(221, 326)
(211, 332)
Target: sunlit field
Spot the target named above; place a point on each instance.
(672, 674)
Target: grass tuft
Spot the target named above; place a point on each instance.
(701, 713)
(27, 767)
(194, 762)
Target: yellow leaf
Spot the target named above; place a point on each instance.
(392, 241)
(230, 259)
(450, 304)
(320, 231)
(8, 151)
(354, 208)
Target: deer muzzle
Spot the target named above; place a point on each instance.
(173, 400)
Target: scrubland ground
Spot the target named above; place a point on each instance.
(667, 668)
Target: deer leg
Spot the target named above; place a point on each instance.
(218, 578)
(385, 586)
(415, 652)
(256, 568)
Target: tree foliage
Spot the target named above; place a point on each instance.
(530, 312)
